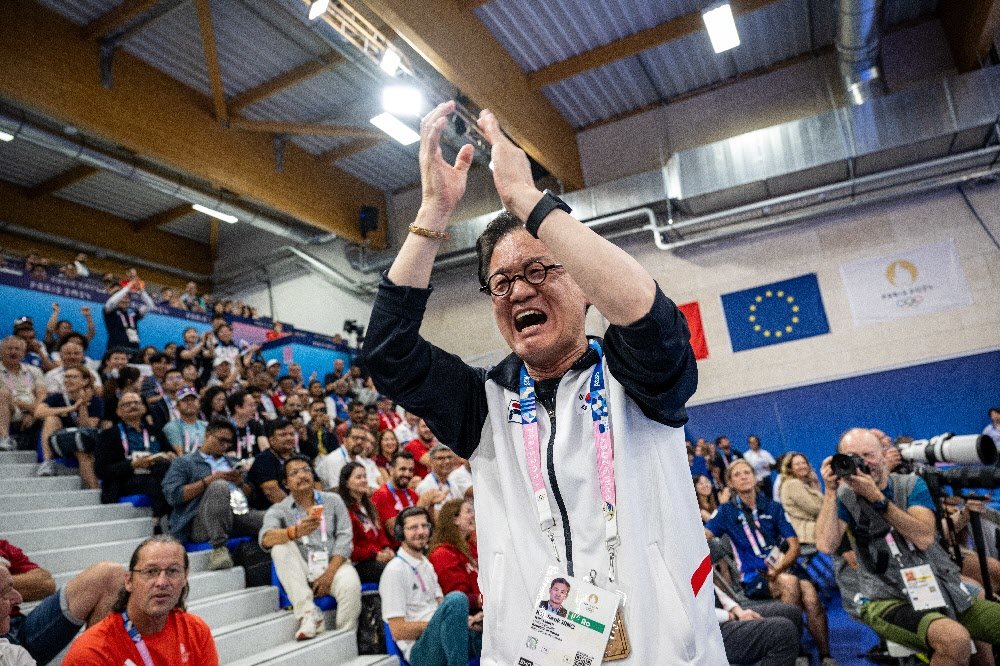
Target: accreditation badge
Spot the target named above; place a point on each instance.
(922, 588)
(571, 622)
(319, 560)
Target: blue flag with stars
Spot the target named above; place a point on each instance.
(774, 313)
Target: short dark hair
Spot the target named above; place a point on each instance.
(277, 424)
(217, 424)
(299, 457)
(236, 400)
(72, 336)
(172, 371)
(555, 581)
(358, 426)
(499, 226)
(158, 357)
(990, 411)
(401, 454)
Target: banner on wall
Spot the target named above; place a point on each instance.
(774, 313)
(692, 313)
(906, 284)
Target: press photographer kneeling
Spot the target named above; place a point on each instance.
(913, 593)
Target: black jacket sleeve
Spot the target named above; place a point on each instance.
(440, 387)
(110, 463)
(653, 360)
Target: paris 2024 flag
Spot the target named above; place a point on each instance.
(774, 313)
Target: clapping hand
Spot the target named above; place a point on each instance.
(442, 184)
(511, 169)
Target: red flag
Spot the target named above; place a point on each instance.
(692, 313)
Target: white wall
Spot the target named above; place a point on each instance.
(310, 303)
(459, 318)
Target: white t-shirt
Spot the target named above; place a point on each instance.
(409, 589)
(461, 478)
(14, 655)
(328, 468)
(761, 461)
(430, 482)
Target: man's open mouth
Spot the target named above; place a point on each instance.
(529, 318)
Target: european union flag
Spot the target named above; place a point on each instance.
(775, 313)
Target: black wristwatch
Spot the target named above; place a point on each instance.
(881, 506)
(548, 203)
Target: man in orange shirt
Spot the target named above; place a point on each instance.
(150, 625)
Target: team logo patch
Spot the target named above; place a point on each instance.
(514, 410)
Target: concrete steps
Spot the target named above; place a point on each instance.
(65, 529)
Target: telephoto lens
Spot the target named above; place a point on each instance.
(951, 448)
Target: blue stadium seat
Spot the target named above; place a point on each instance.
(393, 650)
(196, 546)
(138, 501)
(325, 603)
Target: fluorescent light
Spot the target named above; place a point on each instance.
(390, 62)
(395, 128)
(318, 8)
(402, 100)
(231, 219)
(721, 28)
(6, 137)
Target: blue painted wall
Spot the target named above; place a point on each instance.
(920, 401)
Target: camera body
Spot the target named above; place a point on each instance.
(846, 464)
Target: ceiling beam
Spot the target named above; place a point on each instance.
(314, 129)
(969, 26)
(61, 182)
(54, 72)
(116, 18)
(460, 47)
(283, 82)
(212, 59)
(72, 220)
(169, 215)
(353, 148)
(633, 44)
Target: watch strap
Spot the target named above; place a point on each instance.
(548, 203)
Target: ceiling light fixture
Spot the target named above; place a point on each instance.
(231, 219)
(317, 8)
(4, 136)
(395, 128)
(721, 28)
(390, 61)
(402, 100)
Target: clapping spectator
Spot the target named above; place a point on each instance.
(22, 391)
(56, 329)
(121, 319)
(372, 550)
(70, 420)
(191, 300)
(35, 353)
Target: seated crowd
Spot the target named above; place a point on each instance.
(223, 444)
(341, 488)
(879, 524)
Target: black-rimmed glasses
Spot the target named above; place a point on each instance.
(534, 273)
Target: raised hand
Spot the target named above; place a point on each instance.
(443, 184)
(511, 169)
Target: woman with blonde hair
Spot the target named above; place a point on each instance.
(801, 495)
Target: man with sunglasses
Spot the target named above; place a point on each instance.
(208, 493)
(578, 496)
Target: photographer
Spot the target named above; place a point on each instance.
(914, 593)
(767, 548)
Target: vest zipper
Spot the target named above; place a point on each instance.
(550, 459)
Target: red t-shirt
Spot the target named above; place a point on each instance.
(419, 449)
(369, 538)
(389, 501)
(457, 573)
(388, 420)
(186, 639)
(18, 563)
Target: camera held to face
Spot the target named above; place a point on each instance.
(845, 465)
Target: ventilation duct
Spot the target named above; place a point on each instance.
(859, 48)
(44, 139)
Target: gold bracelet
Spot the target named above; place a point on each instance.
(429, 233)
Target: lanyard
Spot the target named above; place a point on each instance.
(190, 443)
(755, 536)
(399, 502)
(423, 588)
(140, 644)
(125, 446)
(446, 482)
(598, 400)
(73, 415)
(127, 323)
(239, 442)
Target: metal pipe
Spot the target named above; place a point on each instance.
(79, 246)
(859, 46)
(836, 205)
(818, 193)
(331, 274)
(85, 155)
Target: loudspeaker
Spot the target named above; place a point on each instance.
(397, 528)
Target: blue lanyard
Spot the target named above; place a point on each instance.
(140, 644)
(423, 588)
(399, 502)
